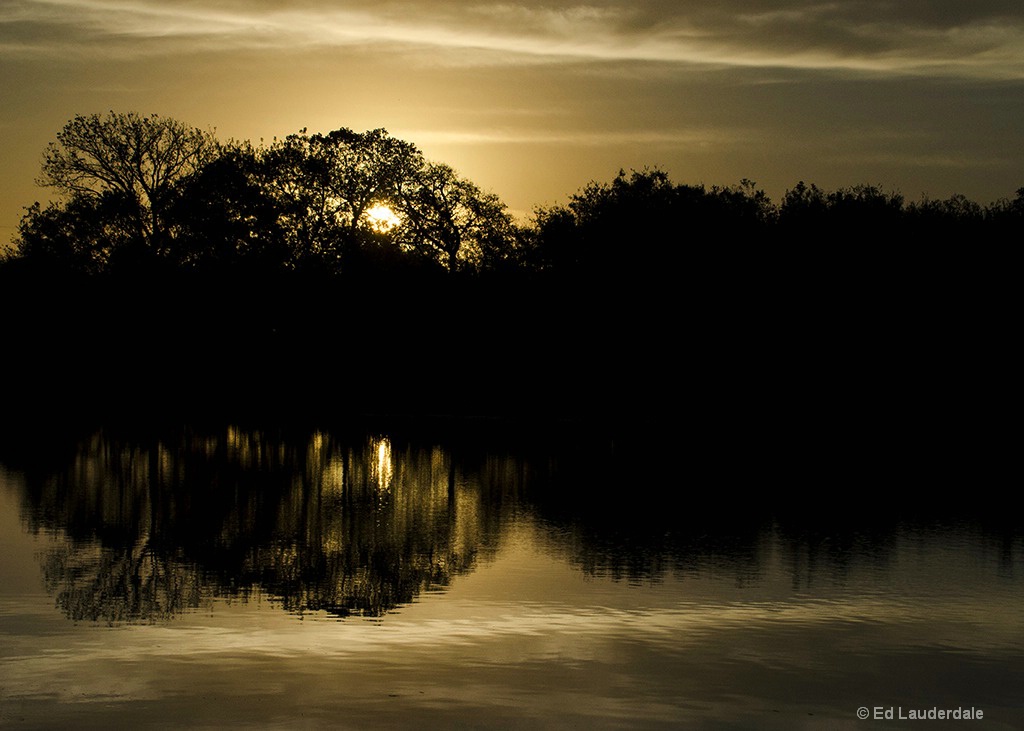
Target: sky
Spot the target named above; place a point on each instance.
(534, 99)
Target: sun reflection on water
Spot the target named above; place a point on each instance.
(383, 470)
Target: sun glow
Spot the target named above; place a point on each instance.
(381, 218)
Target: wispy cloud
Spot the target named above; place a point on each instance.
(981, 39)
(665, 138)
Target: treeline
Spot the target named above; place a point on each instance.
(145, 194)
(344, 272)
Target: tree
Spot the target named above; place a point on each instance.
(85, 235)
(741, 209)
(803, 209)
(326, 184)
(363, 170)
(138, 158)
(855, 215)
(865, 208)
(449, 218)
(225, 215)
(631, 226)
(1007, 216)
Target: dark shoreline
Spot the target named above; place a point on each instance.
(744, 365)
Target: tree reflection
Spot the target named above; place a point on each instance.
(359, 523)
(163, 525)
(120, 584)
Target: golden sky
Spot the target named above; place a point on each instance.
(531, 100)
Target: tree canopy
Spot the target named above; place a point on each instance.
(135, 157)
(202, 272)
(136, 188)
(174, 195)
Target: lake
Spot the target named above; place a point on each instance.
(239, 576)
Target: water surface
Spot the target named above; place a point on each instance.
(233, 577)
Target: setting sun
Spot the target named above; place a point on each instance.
(381, 218)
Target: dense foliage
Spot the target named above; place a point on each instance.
(346, 270)
(143, 192)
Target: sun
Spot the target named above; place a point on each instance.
(381, 218)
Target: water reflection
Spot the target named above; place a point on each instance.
(358, 523)
(597, 599)
(322, 524)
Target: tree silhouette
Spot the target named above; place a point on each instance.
(451, 220)
(643, 225)
(587, 237)
(742, 209)
(86, 235)
(325, 184)
(948, 220)
(804, 209)
(225, 216)
(1007, 217)
(138, 157)
(361, 170)
(864, 209)
(145, 190)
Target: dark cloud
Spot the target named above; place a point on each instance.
(945, 38)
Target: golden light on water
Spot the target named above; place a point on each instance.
(381, 218)
(383, 468)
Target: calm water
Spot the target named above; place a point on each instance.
(230, 577)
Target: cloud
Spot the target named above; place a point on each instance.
(663, 138)
(982, 39)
